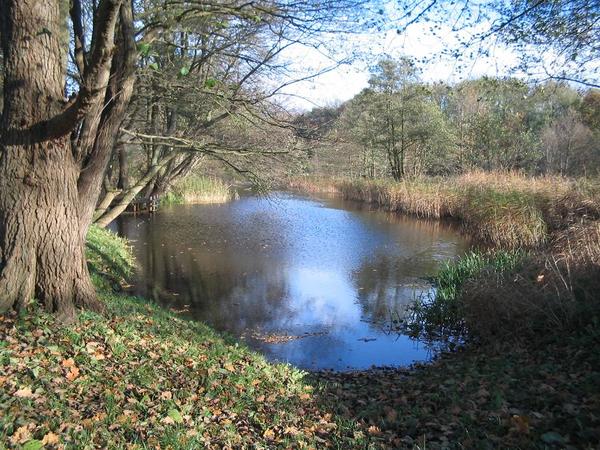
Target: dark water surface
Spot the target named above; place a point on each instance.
(307, 281)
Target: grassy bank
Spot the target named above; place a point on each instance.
(198, 189)
(141, 377)
(504, 210)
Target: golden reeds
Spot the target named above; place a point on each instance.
(501, 209)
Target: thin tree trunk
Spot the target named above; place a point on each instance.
(124, 201)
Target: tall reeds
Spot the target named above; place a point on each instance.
(500, 209)
(199, 189)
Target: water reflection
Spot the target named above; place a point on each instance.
(292, 266)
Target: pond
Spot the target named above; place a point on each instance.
(312, 282)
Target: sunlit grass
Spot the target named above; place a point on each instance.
(110, 258)
(199, 189)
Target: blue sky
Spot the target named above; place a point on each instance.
(430, 43)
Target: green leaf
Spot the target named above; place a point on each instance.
(175, 415)
(552, 437)
(153, 66)
(210, 83)
(34, 444)
(144, 48)
(184, 71)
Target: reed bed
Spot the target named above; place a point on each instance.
(200, 190)
(554, 292)
(499, 209)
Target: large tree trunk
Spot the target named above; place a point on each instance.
(43, 214)
(41, 236)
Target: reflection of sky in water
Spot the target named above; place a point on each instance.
(321, 298)
(291, 265)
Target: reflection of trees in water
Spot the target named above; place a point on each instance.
(223, 289)
(442, 230)
(386, 285)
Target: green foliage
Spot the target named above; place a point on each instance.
(172, 198)
(183, 71)
(402, 127)
(110, 259)
(144, 48)
(210, 83)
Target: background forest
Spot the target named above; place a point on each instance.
(401, 127)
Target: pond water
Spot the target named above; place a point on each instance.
(313, 282)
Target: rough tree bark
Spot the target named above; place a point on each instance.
(42, 230)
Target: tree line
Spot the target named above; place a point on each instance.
(399, 126)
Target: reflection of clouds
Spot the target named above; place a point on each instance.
(323, 297)
(292, 266)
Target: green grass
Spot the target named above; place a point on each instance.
(110, 260)
(141, 376)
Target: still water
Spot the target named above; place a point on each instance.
(312, 282)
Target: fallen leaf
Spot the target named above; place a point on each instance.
(73, 373)
(269, 434)
(50, 438)
(167, 420)
(521, 424)
(68, 363)
(24, 393)
(21, 435)
(374, 430)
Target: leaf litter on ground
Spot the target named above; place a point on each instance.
(142, 377)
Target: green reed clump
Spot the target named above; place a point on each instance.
(441, 313)
(172, 198)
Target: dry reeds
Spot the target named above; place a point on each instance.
(501, 209)
(554, 291)
(200, 190)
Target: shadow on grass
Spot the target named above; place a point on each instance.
(517, 397)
